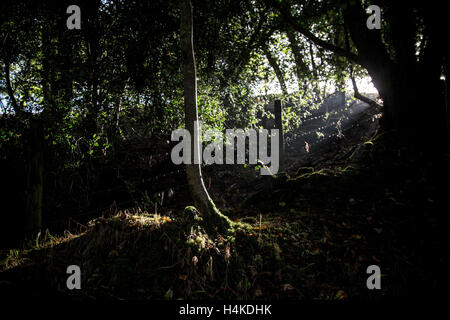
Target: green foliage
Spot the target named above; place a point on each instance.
(118, 82)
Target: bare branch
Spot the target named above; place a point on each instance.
(17, 109)
(309, 35)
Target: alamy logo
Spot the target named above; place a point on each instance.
(374, 20)
(74, 20)
(74, 280)
(374, 280)
(214, 151)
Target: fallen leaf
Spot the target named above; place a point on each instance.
(341, 295)
(287, 287)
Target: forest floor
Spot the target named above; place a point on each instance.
(308, 234)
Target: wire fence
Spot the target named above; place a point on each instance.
(319, 129)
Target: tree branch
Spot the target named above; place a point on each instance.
(309, 35)
(17, 109)
(276, 67)
(359, 96)
(253, 42)
(356, 93)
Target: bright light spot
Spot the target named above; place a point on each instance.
(364, 85)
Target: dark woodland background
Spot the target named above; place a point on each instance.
(86, 176)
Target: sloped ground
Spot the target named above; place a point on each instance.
(310, 235)
(369, 204)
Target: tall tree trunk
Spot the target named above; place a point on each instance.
(204, 204)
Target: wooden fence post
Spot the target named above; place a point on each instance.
(279, 126)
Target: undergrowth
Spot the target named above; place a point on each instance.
(309, 236)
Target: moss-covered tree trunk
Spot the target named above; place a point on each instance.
(203, 202)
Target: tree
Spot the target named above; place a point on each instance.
(404, 58)
(408, 83)
(277, 69)
(202, 200)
